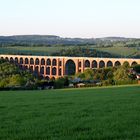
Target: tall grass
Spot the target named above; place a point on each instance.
(81, 114)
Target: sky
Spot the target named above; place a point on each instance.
(70, 18)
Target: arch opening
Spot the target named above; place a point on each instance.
(48, 71)
(54, 71)
(26, 61)
(109, 64)
(21, 60)
(134, 63)
(117, 63)
(25, 67)
(42, 61)
(70, 67)
(126, 64)
(37, 61)
(101, 64)
(16, 60)
(87, 64)
(11, 60)
(54, 63)
(47, 78)
(7, 59)
(32, 61)
(94, 64)
(36, 70)
(31, 69)
(42, 70)
(48, 62)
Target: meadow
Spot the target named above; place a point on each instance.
(43, 50)
(121, 51)
(111, 113)
(33, 50)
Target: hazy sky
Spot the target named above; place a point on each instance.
(71, 18)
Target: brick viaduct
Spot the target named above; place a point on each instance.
(53, 66)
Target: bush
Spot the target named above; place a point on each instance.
(137, 68)
(108, 82)
(61, 82)
(126, 82)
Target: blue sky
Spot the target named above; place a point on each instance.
(71, 18)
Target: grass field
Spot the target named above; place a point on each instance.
(71, 114)
(121, 51)
(32, 50)
(118, 50)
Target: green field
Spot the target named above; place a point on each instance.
(120, 51)
(33, 50)
(116, 50)
(71, 114)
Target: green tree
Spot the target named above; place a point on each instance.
(121, 76)
(137, 68)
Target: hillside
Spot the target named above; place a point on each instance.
(55, 45)
(42, 40)
(52, 39)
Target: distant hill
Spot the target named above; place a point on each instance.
(53, 40)
(42, 40)
(112, 39)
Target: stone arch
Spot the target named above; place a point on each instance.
(42, 61)
(87, 64)
(31, 61)
(42, 70)
(109, 64)
(21, 60)
(54, 62)
(48, 71)
(101, 64)
(94, 64)
(48, 62)
(26, 61)
(16, 60)
(11, 60)
(70, 67)
(53, 71)
(134, 63)
(117, 63)
(36, 61)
